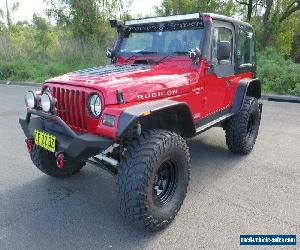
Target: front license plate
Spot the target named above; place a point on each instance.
(44, 140)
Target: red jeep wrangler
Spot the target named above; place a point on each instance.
(171, 78)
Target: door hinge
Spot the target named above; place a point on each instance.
(228, 83)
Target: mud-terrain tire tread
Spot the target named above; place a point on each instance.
(45, 162)
(236, 127)
(136, 171)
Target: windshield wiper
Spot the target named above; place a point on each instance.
(146, 52)
(172, 54)
(126, 61)
(180, 52)
(140, 53)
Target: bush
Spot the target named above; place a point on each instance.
(40, 70)
(21, 60)
(278, 75)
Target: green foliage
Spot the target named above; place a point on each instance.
(80, 16)
(39, 71)
(36, 70)
(86, 17)
(37, 51)
(40, 51)
(295, 53)
(42, 35)
(170, 7)
(278, 75)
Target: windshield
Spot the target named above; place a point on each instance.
(161, 41)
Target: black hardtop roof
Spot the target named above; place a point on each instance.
(226, 18)
(212, 15)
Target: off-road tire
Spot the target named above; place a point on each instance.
(45, 161)
(146, 155)
(242, 129)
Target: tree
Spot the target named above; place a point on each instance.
(85, 17)
(171, 7)
(295, 54)
(1, 20)
(266, 31)
(292, 7)
(80, 16)
(42, 34)
(10, 9)
(276, 12)
(253, 7)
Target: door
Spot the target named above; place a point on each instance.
(221, 71)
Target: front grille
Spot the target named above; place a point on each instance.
(71, 107)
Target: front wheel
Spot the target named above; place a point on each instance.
(242, 129)
(153, 179)
(46, 162)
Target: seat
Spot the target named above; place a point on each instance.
(175, 45)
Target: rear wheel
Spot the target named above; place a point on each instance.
(46, 162)
(242, 129)
(153, 179)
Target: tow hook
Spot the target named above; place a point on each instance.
(60, 160)
(29, 143)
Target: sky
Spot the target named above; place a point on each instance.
(28, 7)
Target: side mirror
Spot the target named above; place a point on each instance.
(195, 54)
(223, 50)
(110, 53)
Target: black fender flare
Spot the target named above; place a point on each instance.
(132, 114)
(246, 87)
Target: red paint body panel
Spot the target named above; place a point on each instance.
(175, 78)
(174, 73)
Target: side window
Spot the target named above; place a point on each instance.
(221, 35)
(245, 48)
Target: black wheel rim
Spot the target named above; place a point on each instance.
(251, 125)
(165, 182)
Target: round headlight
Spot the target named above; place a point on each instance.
(47, 102)
(30, 99)
(95, 105)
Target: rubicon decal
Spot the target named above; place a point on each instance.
(157, 94)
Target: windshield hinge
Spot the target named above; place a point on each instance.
(120, 97)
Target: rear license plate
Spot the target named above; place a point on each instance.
(44, 140)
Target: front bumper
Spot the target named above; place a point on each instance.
(75, 145)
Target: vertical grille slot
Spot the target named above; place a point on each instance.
(84, 109)
(71, 107)
(77, 114)
(62, 104)
(58, 99)
(67, 105)
(81, 109)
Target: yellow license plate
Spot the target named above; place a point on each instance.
(44, 140)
